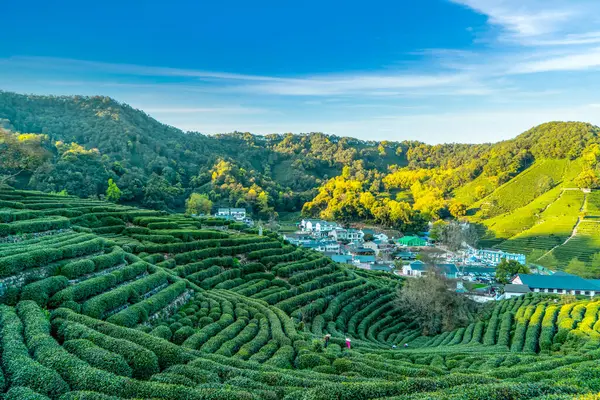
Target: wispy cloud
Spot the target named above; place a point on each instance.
(586, 59)
(202, 110)
(390, 83)
(528, 18)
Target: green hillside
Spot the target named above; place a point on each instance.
(107, 302)
(512, 190)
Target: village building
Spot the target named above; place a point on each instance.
(419, 268)
(317, 227)
(405, 255)
(237, 214)
(380, 248)
(513, 290)
(350, 235)
(411, 241)
(559, 283)
(381, 236)
(494, 257)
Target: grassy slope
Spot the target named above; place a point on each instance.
(522, 189)
(523, 222)
(586, 239)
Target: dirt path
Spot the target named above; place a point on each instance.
(574, 232)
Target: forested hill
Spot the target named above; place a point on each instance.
(78, 143)
(157, 165)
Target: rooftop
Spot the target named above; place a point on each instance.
(513, 288)
(567, 282)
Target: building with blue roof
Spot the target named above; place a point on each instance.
(558, 283)
(419, 268)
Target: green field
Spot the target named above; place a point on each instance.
(526, 187)
(555, 225)
(105, 302)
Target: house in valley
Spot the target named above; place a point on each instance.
(419, 268)
(559, 283)
(411, 241)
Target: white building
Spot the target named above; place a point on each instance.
(351, 235)
(513, 290)
(238, 214)
(381, 237)
(317, 227)
(494, 257)
(559, 283)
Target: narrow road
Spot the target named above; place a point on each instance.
(574, 232)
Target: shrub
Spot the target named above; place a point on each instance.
(143, 362)
(162, 332)
(78, 268)
(98, 357)
(505, 326)
(182, 334)
(20, 369)
(23, 393)
(115, 257)
(41, 291)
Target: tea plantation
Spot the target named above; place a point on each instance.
(104, 302)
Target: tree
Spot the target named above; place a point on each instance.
(577, 267)
(20, 152)
(543, 184)
(454, 234)
(588, 179)
(480, 192)
(457, 209)
(595, 265)
(432, 303)
(113, 193)
(198, 204)
(507, 269)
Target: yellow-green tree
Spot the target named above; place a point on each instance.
(198, 204)
(113, 193)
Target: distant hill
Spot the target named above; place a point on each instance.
(514, 190)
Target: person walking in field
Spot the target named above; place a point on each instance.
(327, 337)
(348, 343)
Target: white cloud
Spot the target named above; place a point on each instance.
(587, 59)
(523, 17)
(541, 22)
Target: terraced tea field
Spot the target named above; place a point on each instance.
(108, 302)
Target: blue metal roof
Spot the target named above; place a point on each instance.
(567, 282)
(341, 258)
(364, 259)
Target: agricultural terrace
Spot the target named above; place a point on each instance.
(104, 302)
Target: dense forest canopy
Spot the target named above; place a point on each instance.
(89, 140)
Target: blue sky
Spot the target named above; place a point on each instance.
(430, 70)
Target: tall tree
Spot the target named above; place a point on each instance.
(198, 204)
(113, 193)
(19, 153)
(507, 269)
(433, 304)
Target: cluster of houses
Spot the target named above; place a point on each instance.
(479, 273)
(491, 257)
(364, 248)
(374, 250)
(234, 214)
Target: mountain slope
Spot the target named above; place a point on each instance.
(504, 187)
